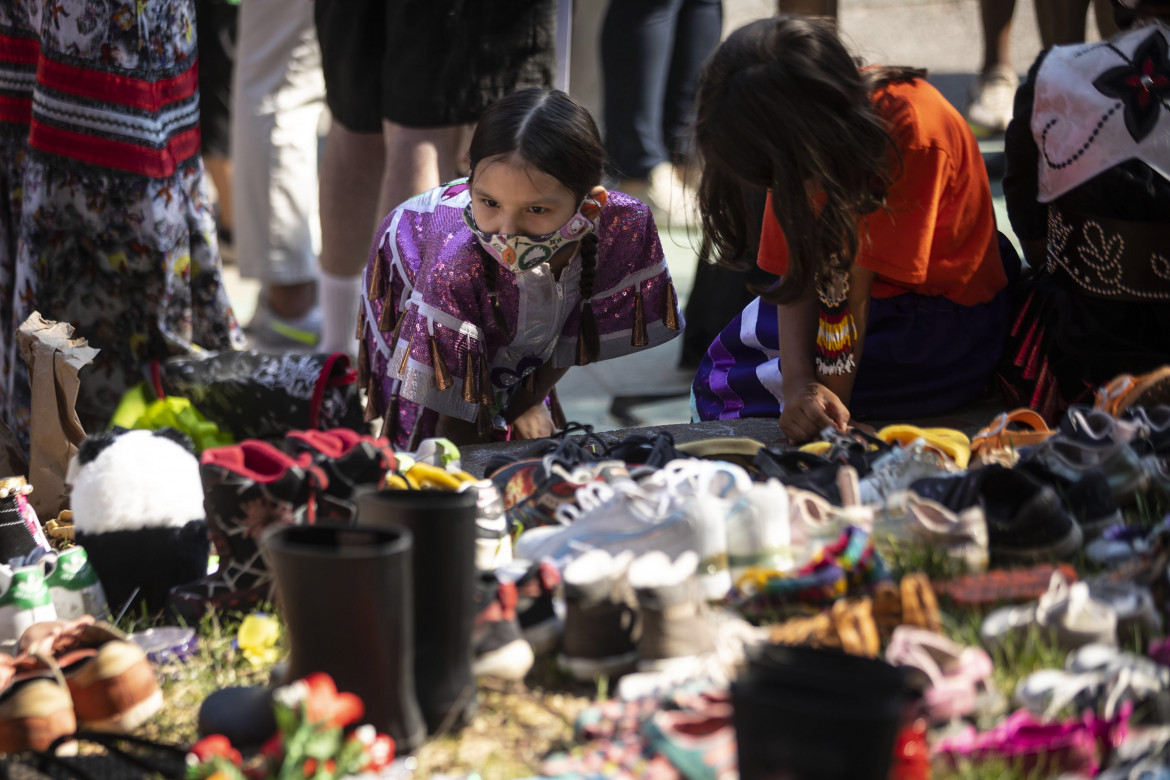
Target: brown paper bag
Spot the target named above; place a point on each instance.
(54, 358)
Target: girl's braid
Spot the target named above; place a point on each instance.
(588, 342)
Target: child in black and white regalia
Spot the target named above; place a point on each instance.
(1088, 194)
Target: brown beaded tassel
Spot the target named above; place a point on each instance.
(670, 318)
(639, 338)
(384, 320)
(469, 378)
(361, 325)
(442, 373)
(377, 286)
(588, 342)
(405, 356)
(397, 329)
(371, 411)
(530, 381)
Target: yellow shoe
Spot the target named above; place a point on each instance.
(947, 441)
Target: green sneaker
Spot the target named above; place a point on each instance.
(25, 600)
(73, 584)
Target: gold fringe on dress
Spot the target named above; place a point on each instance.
(469, 378)
(442, 373)
(384, 320)
(371, 412)
(405, 356)
(639, 337)
(377, 287)
(670, 318)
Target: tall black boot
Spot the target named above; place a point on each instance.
(346, 599)
(807, 713)
(445, 577)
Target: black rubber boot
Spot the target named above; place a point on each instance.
(804, 713)
(346, 599)
(445, 578)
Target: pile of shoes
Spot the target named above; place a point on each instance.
(748, 603)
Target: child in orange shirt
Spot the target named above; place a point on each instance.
(879, 220)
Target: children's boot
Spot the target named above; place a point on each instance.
(247, 487)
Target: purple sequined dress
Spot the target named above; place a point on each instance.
(429, 338)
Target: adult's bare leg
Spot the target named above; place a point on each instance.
(350, 185)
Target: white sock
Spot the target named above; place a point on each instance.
(340, 298)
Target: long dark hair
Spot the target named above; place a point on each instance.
(555, 134)
(783, 106)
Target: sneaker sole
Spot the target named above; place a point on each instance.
(1060, 550)
(589, 669)
(510, 662)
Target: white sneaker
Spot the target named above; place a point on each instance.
(990, 102)
(616, 516)
(24, 600)
(709, 492)
(899, 468)
(760, 533)
(493, 545)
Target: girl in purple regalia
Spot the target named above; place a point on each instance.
(480, 294)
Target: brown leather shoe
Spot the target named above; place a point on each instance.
(109, 677)
(35, 705)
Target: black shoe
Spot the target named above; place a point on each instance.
(799, 469)
(1090, 499)
(1026, 520)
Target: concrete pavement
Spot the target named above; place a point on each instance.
(944, 37)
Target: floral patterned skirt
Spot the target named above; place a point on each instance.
(105, 220)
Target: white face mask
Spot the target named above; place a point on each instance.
(523, 253)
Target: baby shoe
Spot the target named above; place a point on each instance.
(958, 679)
(907, 518)
(1066, 612)
(676, 625)
(600, 616)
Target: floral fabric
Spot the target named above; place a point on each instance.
(105, 220)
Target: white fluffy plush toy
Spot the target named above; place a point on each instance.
(137, 506)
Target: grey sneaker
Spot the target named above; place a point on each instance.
(675, 622)
(990, 102)
(600, 619)
(266, 330)
(899, 468)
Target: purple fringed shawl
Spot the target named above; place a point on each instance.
(429, 338)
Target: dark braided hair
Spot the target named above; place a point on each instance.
(783, 106)
(555, 134)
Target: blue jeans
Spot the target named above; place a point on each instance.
(652, 52)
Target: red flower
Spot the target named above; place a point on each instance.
(323, 704)
(215, 745)
(381, 753)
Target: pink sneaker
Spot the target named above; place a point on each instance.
(1080, 745)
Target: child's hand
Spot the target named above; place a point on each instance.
(536, 423)
(811, 409)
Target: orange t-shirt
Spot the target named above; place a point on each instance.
(937, 235)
